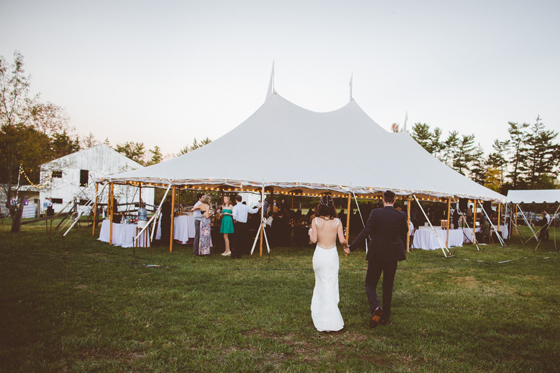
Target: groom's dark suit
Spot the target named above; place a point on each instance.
(388, 229)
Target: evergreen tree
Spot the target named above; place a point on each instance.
(464, 154)
(497, 159)
(478, 168)
(133, 150)
(540, 160)
(157, 157)
(518, 153)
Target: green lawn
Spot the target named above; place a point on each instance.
(82, 305)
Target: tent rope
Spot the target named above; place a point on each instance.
(443, 248)
(492, 224)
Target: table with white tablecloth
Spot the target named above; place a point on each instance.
(426, 238)
(123, 234)
(183, 228)
(468, 233)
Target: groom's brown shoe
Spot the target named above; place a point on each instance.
(375, 316)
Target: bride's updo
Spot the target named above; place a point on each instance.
(326, 207)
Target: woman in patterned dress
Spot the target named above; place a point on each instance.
(205, 237)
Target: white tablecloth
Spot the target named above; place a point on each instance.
(123, 234)
(183, 228)
(468, 233)
(427, 240)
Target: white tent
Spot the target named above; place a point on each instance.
(534, 196)
(292, 148)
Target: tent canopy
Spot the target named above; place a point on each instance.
(534, 196)
(292, 148)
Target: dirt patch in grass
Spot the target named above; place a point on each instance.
(124, 356)
(469, 282)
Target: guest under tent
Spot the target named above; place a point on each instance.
(308, 158)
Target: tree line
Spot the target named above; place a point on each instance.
(33, 132)
(528, 159)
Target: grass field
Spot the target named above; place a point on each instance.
(84, 306)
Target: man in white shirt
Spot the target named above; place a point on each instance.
(240, 237)
(197, 218)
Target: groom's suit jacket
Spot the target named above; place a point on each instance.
(388, 230)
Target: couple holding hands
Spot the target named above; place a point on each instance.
(387, 228)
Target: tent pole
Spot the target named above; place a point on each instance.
(348, 218)
(409, 202)
(448, 221)
(95, 210)
(474, 220)
(139, 196)
(263, 224)
(172, 219)
(110, 204)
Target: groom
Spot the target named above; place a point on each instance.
(388, 230)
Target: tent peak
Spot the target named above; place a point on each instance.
(351, 78)
(271, 89)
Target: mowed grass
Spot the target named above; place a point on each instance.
(80, 305)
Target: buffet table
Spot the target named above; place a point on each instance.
(426, 239)
(123, 234)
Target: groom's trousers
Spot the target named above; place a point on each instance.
(375, 268)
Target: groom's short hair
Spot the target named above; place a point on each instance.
(238, 198)
(389, 196)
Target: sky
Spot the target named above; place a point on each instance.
(166, 72)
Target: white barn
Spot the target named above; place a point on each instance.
(73, 177)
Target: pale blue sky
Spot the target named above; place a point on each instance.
(165, 72)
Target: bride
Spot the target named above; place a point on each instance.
(324, 230)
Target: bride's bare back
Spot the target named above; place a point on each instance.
(324, 232)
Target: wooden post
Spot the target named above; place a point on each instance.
(409, 202)
(271, 204)
(515, 217)
(262, 218)
(110, 206)
(172, 219)
(448, 221)
(95, 210)
(474, 222)
(348, 219)
(499, 216)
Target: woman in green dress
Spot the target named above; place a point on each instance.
(227, 223)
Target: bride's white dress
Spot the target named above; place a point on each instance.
(324, 304)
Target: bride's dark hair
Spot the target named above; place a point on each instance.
(326, 207)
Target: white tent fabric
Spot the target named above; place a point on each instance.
(289, 147)
(534, 196)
